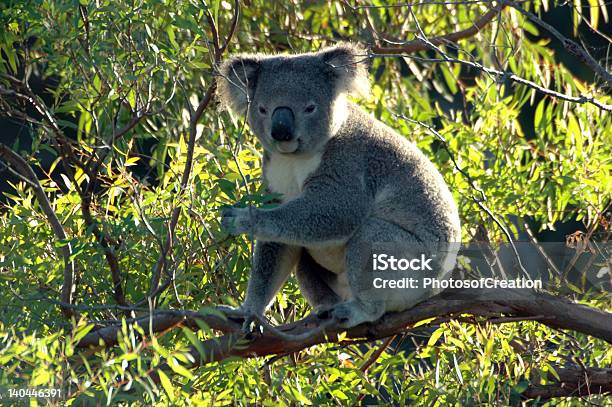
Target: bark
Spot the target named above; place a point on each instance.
(556, 312)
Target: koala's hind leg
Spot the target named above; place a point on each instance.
(273, 262)
(369, 304)
(315, 283)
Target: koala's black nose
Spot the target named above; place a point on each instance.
(282, 124)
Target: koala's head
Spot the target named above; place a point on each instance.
(294, 103)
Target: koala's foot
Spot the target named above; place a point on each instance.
(235, 313)
(250, 320)
(349, 314)
(324, 311)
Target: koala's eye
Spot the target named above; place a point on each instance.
(262, 110)
(310, 109)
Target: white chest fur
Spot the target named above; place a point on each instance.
(285, 174)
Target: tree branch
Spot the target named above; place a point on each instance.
(573, 382)
(105, 242)
(423, 44)
(410, 47)
(517, 305)
(66, 145)
(161, 261)
(158, 321)
(502, 76)
(571, 46)
(154, 288)
(555, 312)
(23, 168)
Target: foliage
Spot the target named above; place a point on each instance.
(100, 65)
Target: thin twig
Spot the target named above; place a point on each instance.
(193, 121)
(571, 46)
(502, 76)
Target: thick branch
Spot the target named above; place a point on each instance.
(555, 312)
(107, 246)
(23, 168)
(517, 305)
(158, 321)
(559, 313)
(573, 382)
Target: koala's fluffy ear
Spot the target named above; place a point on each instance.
(237, 81)
(347, 63)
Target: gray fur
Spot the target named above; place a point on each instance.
(351, 181)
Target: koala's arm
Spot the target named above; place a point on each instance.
(272, 264)
(318, 216)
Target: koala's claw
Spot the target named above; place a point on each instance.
(250, 320)
(344, 314)
(324, 312)
(251, 326)
(236, 220)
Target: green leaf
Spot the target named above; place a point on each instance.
(178, 368)
(216, 11)
(448, 78)
(172, 36)
(521, 386)
(193, 339)
(435, 336)
(81, 332)
(594, 12)
(537, 120)
(424, 322)
(200, 65)
(66, 123)
(10, 54)
(167, 385)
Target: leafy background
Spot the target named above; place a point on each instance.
(100, 67)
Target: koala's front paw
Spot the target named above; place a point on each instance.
(237, 221)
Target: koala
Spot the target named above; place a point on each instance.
(348, 183)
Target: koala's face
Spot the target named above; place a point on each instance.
(292, 107)
(293, 104)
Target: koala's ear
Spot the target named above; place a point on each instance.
(348, 66)
(237, 81)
